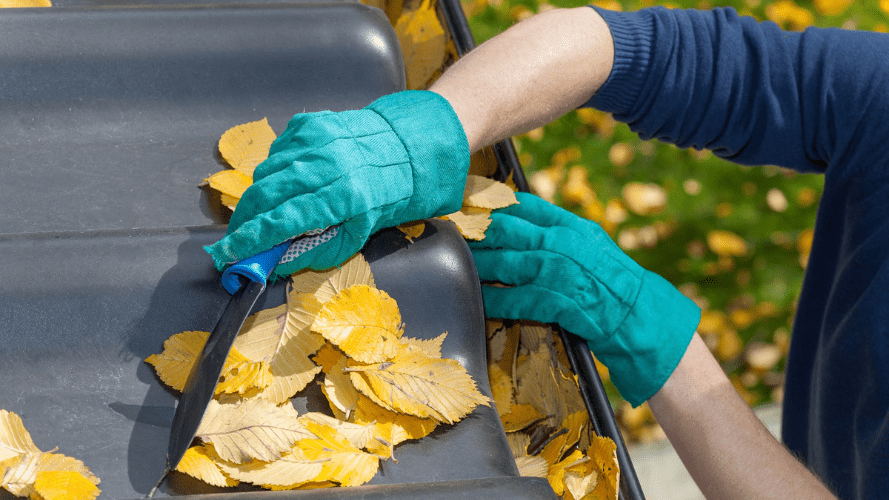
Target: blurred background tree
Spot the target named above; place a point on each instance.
(734, 239)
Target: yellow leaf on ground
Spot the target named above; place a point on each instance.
(357, 434)
(343, 462)
(240, 375)
(482, 192)
(198, 462)
(726, 243)
(412, 230)
(246, 146)
(251, 429)
(546, 388)
(416, 384)
(324, 285)
(231, 184)
(423, 44)
(362, 321)
(644, 199)
(14, 438)
(472, 222)
(64, 485)
(18, 4)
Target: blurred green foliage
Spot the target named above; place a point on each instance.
(758, 219)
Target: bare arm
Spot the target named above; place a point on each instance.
(529, 75)
(725, 448)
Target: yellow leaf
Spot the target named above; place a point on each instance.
(481, 192)
(324, 285)
(431, 347)
(518, 443)
(281, 338)
(14, 438)
(343, 462)
(519, 417)
(357, 434)
(501, 388)
(246, 146)
(198, 463)
(423, 44)
(231, 184)
(21, 473)
(290, 471)
(556, 473)
(180, 352)
(402, 427)
(726, 244)
(532, 466)
(242, 375)
(574, 424)
(412, 230)
(416, 384)
(362, 321)
(327, 357)
(472, 222)
(250, 429)
(644, 199)
(580, 484)
(64, 485)
(603, 453)
(546, 388)
(339, 390)
(13, 4)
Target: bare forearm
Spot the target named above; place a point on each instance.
(725, 448)
(529, 75)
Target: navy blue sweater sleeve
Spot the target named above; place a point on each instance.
(750, 92)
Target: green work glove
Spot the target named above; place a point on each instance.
(402, 158)
(567, 270)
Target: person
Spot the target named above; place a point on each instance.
(815, 101)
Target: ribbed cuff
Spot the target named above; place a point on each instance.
(633, 34)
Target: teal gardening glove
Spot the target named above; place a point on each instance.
(567, 270)
(402, 158)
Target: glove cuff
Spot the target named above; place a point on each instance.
(436, 144)
(647, 347)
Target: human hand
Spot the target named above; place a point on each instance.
(564, 269)
(402, 158)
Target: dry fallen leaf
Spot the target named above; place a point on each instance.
(251, 429)
(423, 44)
(325, 285)
(247, 145)
(416, 384)
(412, 230)
(29, 472)
(198, 462)
(472, 222)
(481, 192)
(18, 4)
(363, 322)
(231, 184)
(343, 462)
(180, 352)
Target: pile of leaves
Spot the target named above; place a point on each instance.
(541, 409)
(383, 388)
(25, 471)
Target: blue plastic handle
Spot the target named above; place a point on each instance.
(257, 268)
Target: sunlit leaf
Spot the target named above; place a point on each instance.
(251, 429)
(343, 462)
(246, 146)
(472, 222)
(198, 463)
(324, 285)
(482, 192)
(362, 321)
(14, 438)
(423, 44)
(416, 384)
(231, 184)
(64, 485)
